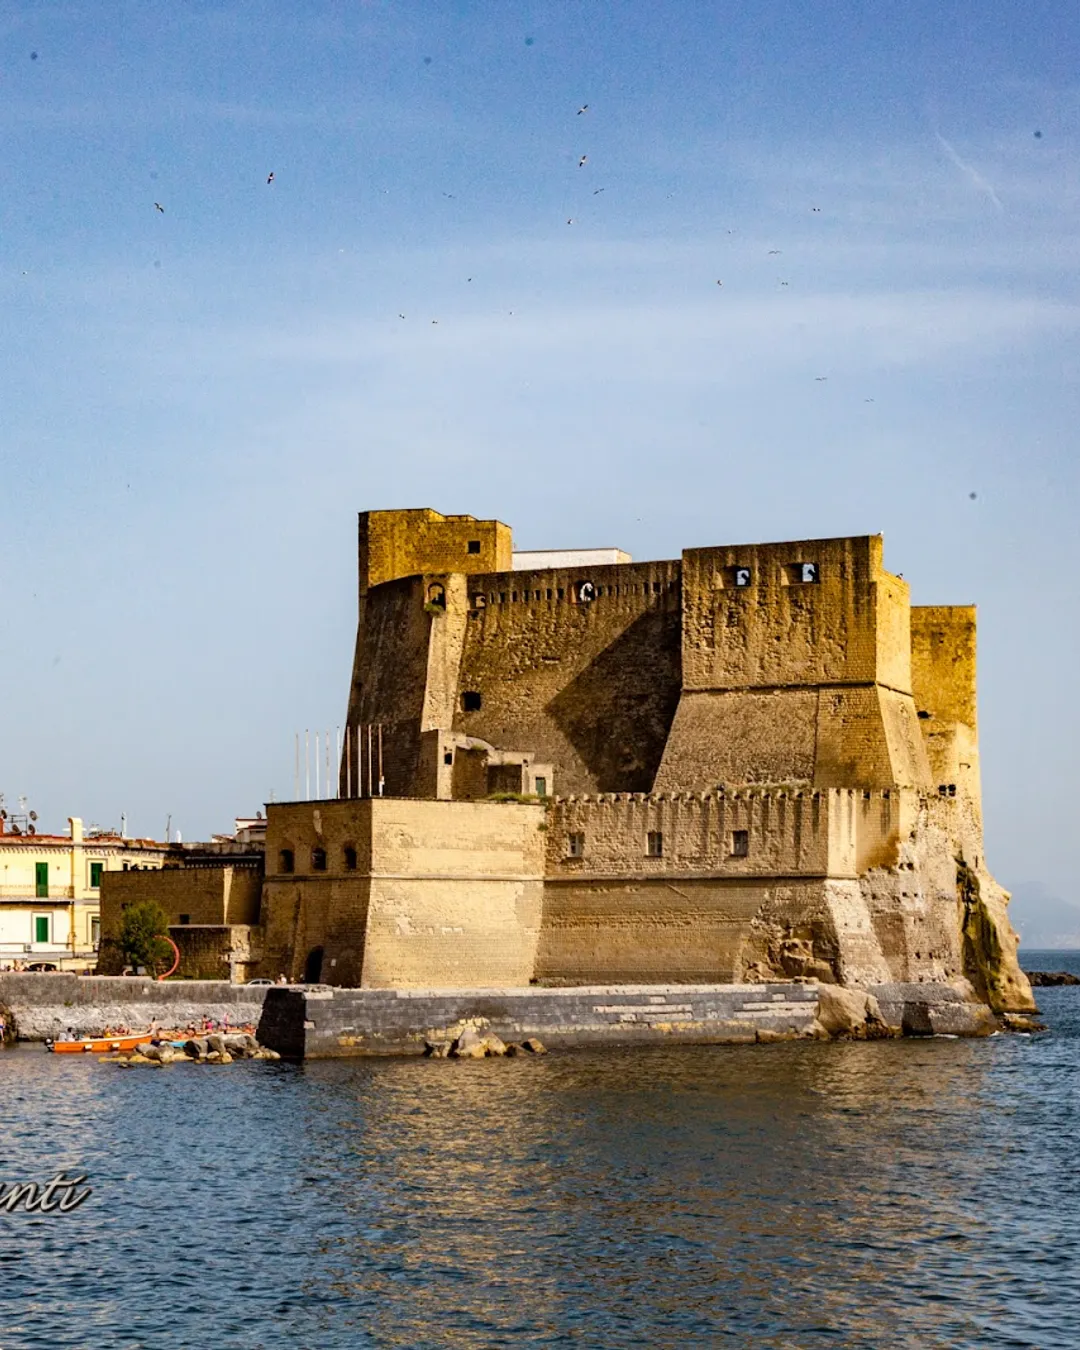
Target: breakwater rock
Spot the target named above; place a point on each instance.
(212, 1049)
(1047, 979)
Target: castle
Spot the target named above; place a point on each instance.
(750, 763)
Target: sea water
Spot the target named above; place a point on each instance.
(898, 1194)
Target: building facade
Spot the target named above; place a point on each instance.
(50, 891)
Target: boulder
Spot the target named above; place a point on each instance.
(215, 1042)
(437, 1049)
(494, 1047)
(513, 1050)
(196, 1048)
(469, 1045)
(240, 1045)
(1021, 1022)
(846, 1011)
(533, 1046)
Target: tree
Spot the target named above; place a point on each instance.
(143, 936)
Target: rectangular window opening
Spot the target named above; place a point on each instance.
(318, 860)
(474, 545)
(185, 918)
(654, 844)
(740, 843)
(541, 787)
(575, 845)
(41, 880)
(471, 700)
(96, 869)
(350, 858)
(286, 861)
(42, 923)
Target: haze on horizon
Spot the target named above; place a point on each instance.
(436, 302)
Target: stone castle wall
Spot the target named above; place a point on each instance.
(441, 892)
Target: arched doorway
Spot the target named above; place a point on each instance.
(313, 966)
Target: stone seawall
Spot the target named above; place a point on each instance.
(45, 1004)
(323, 1023)
(312, 1022)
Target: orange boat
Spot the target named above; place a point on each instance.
(97, 1044)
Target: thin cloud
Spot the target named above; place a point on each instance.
(969, 171)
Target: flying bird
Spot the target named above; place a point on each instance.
(815, 208)
(570, 221)
(582, 160)
(719, 283)
(597, 191)
(585, 108)
(773, 253)
(271, 178)
(158, 207)
(821, 378)
(973, 495)
(785, 283)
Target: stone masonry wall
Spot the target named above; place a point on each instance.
(351, 1022)
(45, 1005)
(589, 686)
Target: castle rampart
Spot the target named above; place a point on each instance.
(754, 761)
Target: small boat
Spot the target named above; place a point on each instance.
(100, 1045)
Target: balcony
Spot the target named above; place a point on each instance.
(27, 893)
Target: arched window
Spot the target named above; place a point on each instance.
(318, 860)
(286, 861)
(350, 858)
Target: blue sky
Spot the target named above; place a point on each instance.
(195, 402)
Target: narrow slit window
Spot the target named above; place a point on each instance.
(349, 856)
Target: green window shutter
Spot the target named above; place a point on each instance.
(41, 877)
(41, 924)
(96, 870)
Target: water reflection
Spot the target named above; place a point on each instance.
(899, 1194)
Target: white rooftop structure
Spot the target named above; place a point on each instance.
(538, 559)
